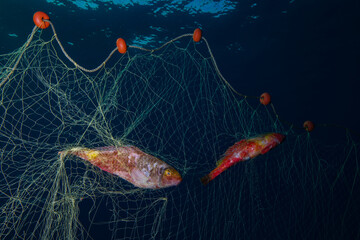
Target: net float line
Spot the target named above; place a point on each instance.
(42, 21)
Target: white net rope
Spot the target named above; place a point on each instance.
(172, 104)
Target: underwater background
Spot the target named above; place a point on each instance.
(304, 53)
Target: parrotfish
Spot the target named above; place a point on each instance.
(244, 150)
(131, 164)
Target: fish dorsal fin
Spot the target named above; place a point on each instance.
(106, 149)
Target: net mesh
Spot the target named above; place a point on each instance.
(172, 104)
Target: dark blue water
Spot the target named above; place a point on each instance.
(304, 53)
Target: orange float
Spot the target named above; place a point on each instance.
(121, 45)
(265, 98)
(197, 35)
(39, 18)
(309, 126)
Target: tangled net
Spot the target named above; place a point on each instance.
(174, 104)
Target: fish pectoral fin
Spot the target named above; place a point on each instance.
(139, 178)
(265, 150)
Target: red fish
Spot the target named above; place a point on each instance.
(131, 164)
(243, 150)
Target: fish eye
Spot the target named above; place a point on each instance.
(167, 172)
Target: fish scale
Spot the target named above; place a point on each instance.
(131, 164)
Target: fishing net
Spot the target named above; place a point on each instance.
(172, 103)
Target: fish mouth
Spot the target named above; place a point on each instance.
(176, 180)
(279, 137)
(171, 181)
(179, 181)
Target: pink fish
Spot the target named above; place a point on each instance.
(131, 164)
(243, 150)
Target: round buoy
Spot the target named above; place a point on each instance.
(38, 19)
(197, 35)
(121, 45)
(309, 126)
(265, 98)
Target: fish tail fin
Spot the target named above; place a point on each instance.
(205, 180)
